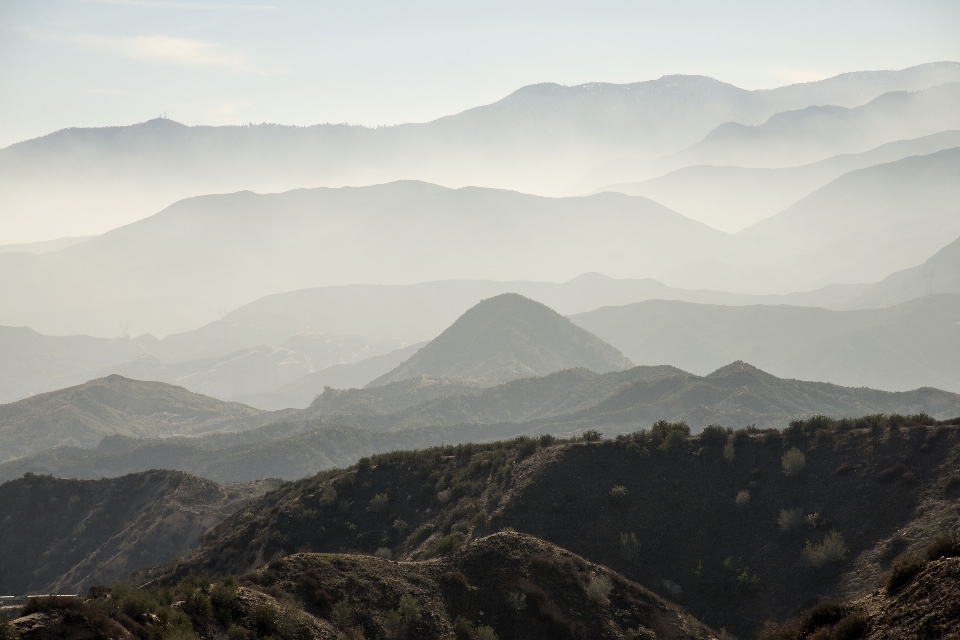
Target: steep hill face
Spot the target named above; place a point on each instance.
(738, 526)
(82, 415)
(504, 338)
(63, 535)
(910, 345)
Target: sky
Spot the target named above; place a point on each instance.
(66, 63)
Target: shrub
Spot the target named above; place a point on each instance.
(341, 614)
(630, 546)
(947, 546)
(264, 618)
(486, 633)
(790, 519)
(517, 600)
(832, 549)
(446, 544)
(713, 436)
(599, 589)
(383, 553)
(592, 435)
(619, 495)
(379, 502)
(546, 440)
(407, 614)
(729, 452)
(903, 571)
(7, 632)
(793, 462)
(328, 496)
(743, 499)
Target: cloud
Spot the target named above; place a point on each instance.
(167, 4)
(163, 49)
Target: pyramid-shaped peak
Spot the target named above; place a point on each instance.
(507, 337)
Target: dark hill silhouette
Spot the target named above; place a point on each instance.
(717, 521)
(64, 535)
(82, 415)
(504, 338)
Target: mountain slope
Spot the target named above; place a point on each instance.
(913, 344)
(69, 534)
(175, 270)
(508, 337)
(82, 415)
(814, 133)
(731, 198)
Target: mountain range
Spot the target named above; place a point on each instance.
(731, 198)
(538, 139)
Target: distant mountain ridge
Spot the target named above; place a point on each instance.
(342, 426)
(539, 139)
(910, 345)
(82, 415)
(504, 338)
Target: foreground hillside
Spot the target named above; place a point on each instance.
(504, 338)
(505, 586)
(63, 535)
(737, 526)
(82, 415)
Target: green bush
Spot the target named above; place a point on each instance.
(379, 502)
(598, 589)
(831, 550)
(793, 462)
(790, 519)
(630, 547)
(399, 623)
(264, 617)
(383, 553)
(591, 435)
(341, 614)
(729, 451)
(619, 495)
(743, 499)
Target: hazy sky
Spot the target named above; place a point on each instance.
(104, 62)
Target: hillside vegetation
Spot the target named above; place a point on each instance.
(505, 586)
(64, 535)
(504, 338)
(770, 520)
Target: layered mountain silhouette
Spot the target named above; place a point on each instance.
(83, 415)
(861, 227)
(906, 346)
(222, 251)
(504, 338)
(731, 198)
(538, 139)
(341, 426)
